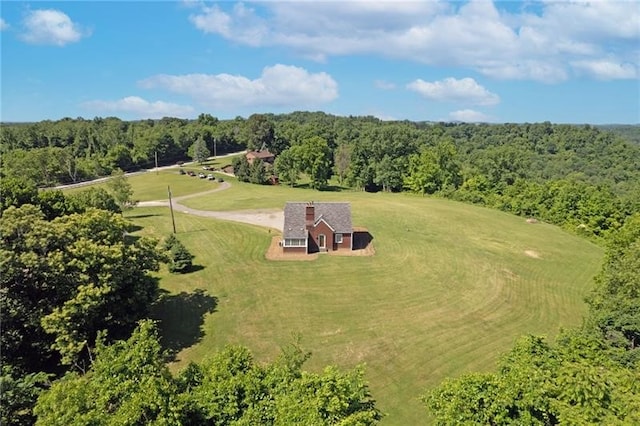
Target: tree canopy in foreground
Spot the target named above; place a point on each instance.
(129, 383)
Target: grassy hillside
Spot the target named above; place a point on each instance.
(449, 288)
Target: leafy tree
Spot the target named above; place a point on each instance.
(121, 190)
(18, 395)
(65, 279)
(258, 132)
(179, 258)
(615, 302)
(241, 168)
(118, 157)
(232, 388)
(422, 176)
(540, 384)
(447, 157)
(53, 203)
(199, 151)
(287, 167)
(315, 159)
(15, 191)
(361, 172)
(476, 189)
(389, 172)
(257, 172)
(129, 383)
(503, 165)
(41, 165)
(341, 160)
(96, 197)
(71, 163)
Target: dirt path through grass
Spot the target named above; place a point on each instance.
(267, 218)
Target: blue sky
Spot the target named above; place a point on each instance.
(565, 62)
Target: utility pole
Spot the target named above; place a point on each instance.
(156, 161)
(173, 221)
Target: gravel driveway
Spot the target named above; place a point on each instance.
(265, 217)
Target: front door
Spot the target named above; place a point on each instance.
(322, 242)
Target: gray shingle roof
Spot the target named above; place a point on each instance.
(337, 215)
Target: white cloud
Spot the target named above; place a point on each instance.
(49, 26)
(465, 90)
(3, 25)
(141, 107)
(547, 72)
(588, 20)
(278, 85)
(537, 43)
(606, 70)
(384, 85)
(469, 116)
(244, 27)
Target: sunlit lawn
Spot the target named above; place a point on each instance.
(154, 185)
(450, 288)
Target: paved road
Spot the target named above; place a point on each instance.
(104, 179)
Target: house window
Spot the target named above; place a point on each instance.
(338, 238)
(295, 242)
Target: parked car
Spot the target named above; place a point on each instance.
(210, 177)
(182, 172)
(206, 168)
(201, 175)
(220, 179)
(191, 173)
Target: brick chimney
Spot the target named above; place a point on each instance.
(309, 215)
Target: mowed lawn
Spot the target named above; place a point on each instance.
(450, 287)
(153, 185)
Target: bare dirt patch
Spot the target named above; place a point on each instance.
(532, 253)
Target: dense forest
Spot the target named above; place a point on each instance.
(76, 287)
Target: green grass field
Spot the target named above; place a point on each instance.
(450, 288)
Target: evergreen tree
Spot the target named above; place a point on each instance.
(199, 151)
(180, 260)
(241, 168)
(257, 172)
